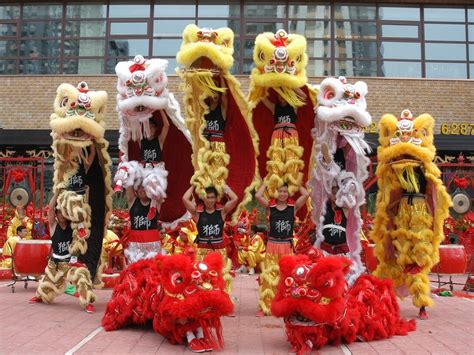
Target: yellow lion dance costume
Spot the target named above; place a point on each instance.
(220, 154)
(280, 78)
(412, 204)
(78, 126)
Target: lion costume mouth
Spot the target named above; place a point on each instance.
(405, 159)
(298, 319)
(77, 135)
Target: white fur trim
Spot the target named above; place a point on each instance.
(155, 182)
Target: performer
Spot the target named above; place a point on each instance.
(151, 152)
(412, 204)
(82, 163)
(144, 238)
(215, 110)
(62, 267)
(281, 214)
(340, 168)
(284, 153)
(154, 142)
(253, 253)
(210, 217)
(281, 105)
(9, 246)
(20, 219)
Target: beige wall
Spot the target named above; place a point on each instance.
(26, 102)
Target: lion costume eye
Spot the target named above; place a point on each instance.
(329, 94)
(176, 279)
(64, 101)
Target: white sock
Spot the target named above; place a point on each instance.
(199, 333)
(190, 336)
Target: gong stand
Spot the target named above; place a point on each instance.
(21, 177)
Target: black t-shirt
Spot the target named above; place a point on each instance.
(215, 124)
(284, 114)
(61, 239)
(151, 150)
(78, 182)
(138, 217)
(334, 227)
(210, 227)
(282, 223)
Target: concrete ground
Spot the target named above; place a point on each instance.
(63, 327)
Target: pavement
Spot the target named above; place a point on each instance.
(64, 328)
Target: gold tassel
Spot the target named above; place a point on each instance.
(408, 179)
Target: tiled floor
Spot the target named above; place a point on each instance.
(62, 327)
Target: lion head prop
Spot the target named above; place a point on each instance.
(176, 293)
(78, 126)
(340, 166)
(318, 308)
(224, 154)
(412, 204)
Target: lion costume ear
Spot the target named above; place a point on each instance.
(387, 128)
(330, 91)
(424, 126)
(289, 263)
(65, 95)
(214, 261)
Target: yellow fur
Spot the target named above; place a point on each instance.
(197, 86)
(68, 153)
(419, 231)
(284, 164)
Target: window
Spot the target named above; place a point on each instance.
(343, 38)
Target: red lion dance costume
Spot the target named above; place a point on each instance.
(179, 295)
(318, 309)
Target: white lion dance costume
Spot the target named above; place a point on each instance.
(84, 198)
(412, 204)
(340, 168)
(142, 100)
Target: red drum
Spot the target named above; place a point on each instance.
(452, 260)
(30, 257)
(371, 261)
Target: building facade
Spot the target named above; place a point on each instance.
(413, 54)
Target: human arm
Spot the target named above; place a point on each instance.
(224, 99)
(188, 202)
(300, 93)
(269, 104)
(90, 156)
(52, 210)
(260, 198)
(130, 193)
(302, 199)
(164, 129)
(231, 202)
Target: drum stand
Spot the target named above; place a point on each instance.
(451, 283)
(23, 278)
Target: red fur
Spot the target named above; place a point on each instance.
(329, 312)
(164, 291)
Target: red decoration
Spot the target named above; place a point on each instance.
(460, 183)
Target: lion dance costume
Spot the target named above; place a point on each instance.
(224, 141)
(412, 204)
(284, 145)
(223, 152)
(183, 298)
(337, 179)
(77, 123)
(317, 308)
(143, 96)
(284, 135)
